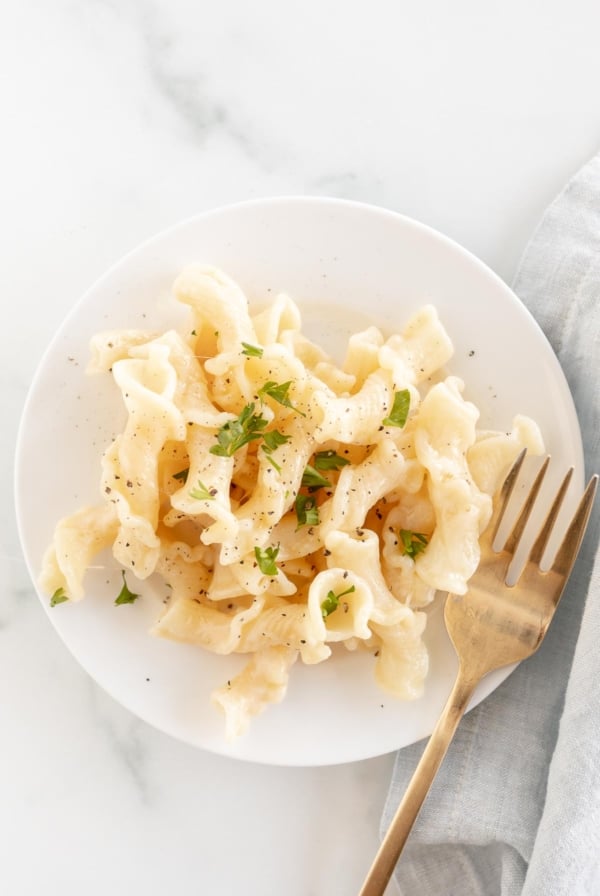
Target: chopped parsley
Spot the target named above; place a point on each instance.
(307, 512)
(273, 463)
(235, 433)
(272, 440)
(313, 480)
(399, 413)
(182, 475)
(125, 596)
(265, 557)
(413, 543)
(279, 392)
(332, 601)
(202, 493)
(252, 351)
(329, 460)
(59, 597)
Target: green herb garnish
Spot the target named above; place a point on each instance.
(272, 440)
(252, 351)
(307, 512)
(329, 460)
(235, 433)
(332, 601)
(313, 480)
(273, 463)
(266, 560)
(59, 597)
(413, 543)
(202, 493)
(399, 413)
(125, 595)
(182, 475)
(279, 392)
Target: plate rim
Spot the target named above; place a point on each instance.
(169, 232)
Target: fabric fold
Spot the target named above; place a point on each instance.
(515, 808)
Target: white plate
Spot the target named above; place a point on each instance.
(346, 264)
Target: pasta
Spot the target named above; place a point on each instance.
(294, 506)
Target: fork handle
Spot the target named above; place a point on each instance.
(392, 844)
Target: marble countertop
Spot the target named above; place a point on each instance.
(121, 119)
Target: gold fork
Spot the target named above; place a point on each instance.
(495, 624)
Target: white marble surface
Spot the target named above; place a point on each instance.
(120, 118)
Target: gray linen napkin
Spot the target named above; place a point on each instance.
(515, 808)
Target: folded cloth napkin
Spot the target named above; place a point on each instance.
(515, 808)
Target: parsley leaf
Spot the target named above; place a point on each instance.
(329, 460)
(182, 475)
(266, 560)
(273, 463)
(413, 543)
(307, 512)
(59, 597)
(202, 493)
(125, 595)
(399, 413)
(235, 433)
(272, 440)
(332, 601)
(279, 393)
(252, 351)
(313, 480)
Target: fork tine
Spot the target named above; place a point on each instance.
(541, 542)
(567, 552)
(516, 532)
(503, 497)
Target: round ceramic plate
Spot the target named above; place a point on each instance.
(347, 265)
